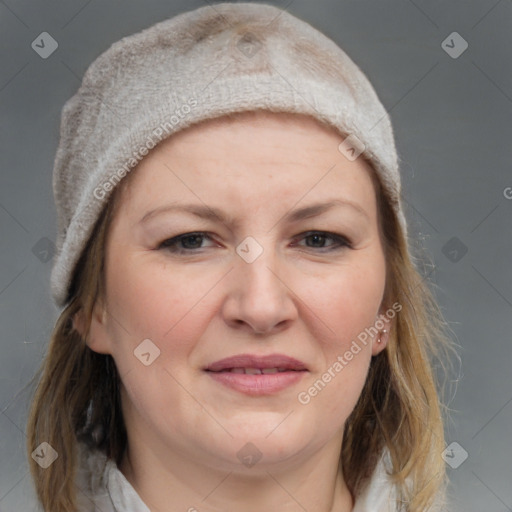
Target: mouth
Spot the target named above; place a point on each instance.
(254, 371)
(251, 364)
(257, 375)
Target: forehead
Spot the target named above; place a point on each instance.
(249, 153)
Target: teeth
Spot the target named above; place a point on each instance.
(257, 371)
(252, 371)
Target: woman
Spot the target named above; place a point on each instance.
(243, 326)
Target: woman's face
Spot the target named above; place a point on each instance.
(287, 280)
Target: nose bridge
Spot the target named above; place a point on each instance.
(258, 267)
(259, 296)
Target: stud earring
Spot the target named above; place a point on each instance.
(384, 331)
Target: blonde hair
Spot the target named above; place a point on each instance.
(77, 397)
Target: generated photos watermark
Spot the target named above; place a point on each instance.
(304, 397)
(167, 127)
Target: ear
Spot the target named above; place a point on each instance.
(384, 326)
(97, 338)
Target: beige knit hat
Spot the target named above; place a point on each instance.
(199, 65)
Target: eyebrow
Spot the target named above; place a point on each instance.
(215, 214)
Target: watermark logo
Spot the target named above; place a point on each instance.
(249, 455)
(249, 249)
(454, 45)
(44, 249)
(454, 249)
(44, 45)
(454, 455)
(249, 45)
(351, 148)
(146, 352)
(45, 455)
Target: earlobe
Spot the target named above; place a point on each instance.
(381, 339)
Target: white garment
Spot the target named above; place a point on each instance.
(103, 488)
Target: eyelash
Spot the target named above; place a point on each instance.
(170, 243)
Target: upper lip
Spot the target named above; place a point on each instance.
(254, 361)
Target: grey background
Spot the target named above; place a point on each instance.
(452, 120)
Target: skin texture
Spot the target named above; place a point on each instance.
(297, 298)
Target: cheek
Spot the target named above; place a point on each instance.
(150, 301)
(348, 303)
(349, 299)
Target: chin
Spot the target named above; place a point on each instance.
(267, 445)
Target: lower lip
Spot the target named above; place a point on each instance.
(260, 384)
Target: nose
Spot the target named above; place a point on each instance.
(259, 298)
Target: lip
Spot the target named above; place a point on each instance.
(254, 361)
(291, 371)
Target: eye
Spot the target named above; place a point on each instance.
(192, 242)
(187, 242)
(318, 239)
